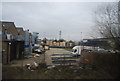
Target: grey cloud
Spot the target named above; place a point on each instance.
(51, 17)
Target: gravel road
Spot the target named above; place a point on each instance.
(48, 54)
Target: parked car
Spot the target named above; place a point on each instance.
(37, 49)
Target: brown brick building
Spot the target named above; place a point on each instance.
(12, 44)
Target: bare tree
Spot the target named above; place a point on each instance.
(106, 21)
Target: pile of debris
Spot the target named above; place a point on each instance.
(32, 56)
(32, 66)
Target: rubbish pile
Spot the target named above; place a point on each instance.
(51, 67)
(32, 67)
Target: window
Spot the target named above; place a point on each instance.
(75, 50)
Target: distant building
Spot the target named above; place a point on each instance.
(76, 43)
(59, 43)
(63, 44)
(71, 44)
(98, 42)
(49, 42)
(35, 38)
(30, 40)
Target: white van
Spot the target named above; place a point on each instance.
(77, 50)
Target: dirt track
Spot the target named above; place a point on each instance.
(39, 59)
(25, 61)
(54, 51)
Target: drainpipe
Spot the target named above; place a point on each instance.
(8, 55)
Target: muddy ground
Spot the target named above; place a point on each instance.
(18, 71)
(57, 73)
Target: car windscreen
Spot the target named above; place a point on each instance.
(74, 50)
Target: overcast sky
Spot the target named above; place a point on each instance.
(48, 18)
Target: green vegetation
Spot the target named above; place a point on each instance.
(68, 49)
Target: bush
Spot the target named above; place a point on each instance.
(105, 61)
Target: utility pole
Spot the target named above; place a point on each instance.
(44, 44)
(60, 34)
(59, 37)
(81, 35)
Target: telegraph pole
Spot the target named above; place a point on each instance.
(60, 34)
